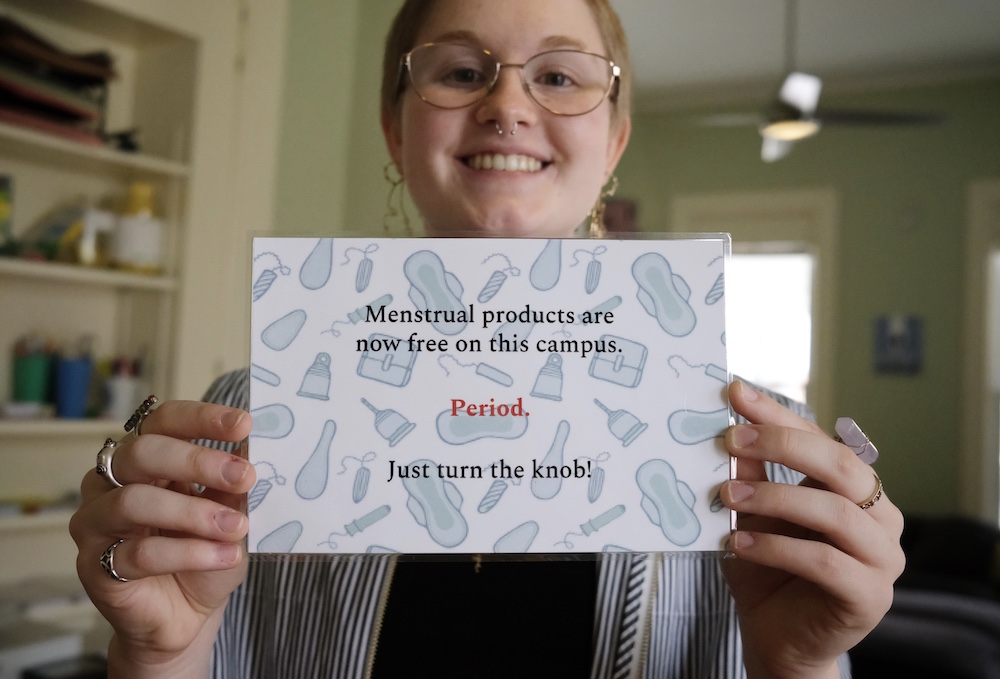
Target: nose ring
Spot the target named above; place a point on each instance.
(513, 130)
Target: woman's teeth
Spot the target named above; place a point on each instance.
(498, 161)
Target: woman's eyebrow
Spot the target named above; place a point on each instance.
(550, 42)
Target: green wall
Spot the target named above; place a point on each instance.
(901, 207)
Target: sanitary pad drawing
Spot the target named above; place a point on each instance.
(518, 540)
(436, 505)
(663, 294)
(668, 502)
(433, 288)
(548, 487)
(312, 478)
(689, 427)
(315, 271)
(273, 421)
(545, 271)
(283, 331)
(624, 367)
(388, 360)
(282, 539)
(462, 428)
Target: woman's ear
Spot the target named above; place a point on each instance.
(391, 130)
(617, 141)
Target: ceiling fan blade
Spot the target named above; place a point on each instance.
(731, 120)
(774, 149)
(801, 91)
(846, 117)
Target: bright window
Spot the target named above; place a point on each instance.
(769, 320)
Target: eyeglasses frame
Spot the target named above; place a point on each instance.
(610, 92)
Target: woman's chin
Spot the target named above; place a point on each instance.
(506, 228)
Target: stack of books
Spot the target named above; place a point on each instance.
(48, 89)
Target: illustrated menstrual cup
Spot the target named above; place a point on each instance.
(549, 382)
(625, 426)
(389, 424)
(312, 478)
(316, 382)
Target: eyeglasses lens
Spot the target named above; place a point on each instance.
(565, 82)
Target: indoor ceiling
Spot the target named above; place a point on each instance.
(693, 52)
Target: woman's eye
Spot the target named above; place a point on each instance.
(556, 79)
(463, 76)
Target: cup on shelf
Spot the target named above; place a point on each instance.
(121, 393)
(31, 378)
(73, 386)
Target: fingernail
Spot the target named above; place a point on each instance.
(739, 491)
(742, 540)
(231, 418)
(748, 392)
(229, 521)
(743, 436)
(229, 554)
(234, 471)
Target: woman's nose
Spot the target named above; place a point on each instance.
(508, 103)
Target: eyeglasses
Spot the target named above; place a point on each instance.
(565, 82)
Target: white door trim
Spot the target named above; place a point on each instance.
(979, 485)
(806, 217)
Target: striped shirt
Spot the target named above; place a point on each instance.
(657, 616)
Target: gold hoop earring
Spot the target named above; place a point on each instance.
(596, 228)
(394, 199)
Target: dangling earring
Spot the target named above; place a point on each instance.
(597, 228)
(396, 193)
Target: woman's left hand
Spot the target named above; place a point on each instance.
(813, 572)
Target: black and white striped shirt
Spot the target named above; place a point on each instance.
(656, 615)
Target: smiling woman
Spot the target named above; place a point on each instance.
(814, 568)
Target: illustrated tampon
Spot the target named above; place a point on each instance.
(374, 516)
(602, 520)
(493, 495)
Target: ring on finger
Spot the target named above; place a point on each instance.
(875, 496)
(139, 416)
(108, 561)
(104, 457)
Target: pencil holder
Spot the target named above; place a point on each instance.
(72, 386)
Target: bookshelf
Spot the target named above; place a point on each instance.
(202, 93)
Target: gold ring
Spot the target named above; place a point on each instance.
(875, 496)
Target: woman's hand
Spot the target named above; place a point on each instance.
(813, 572)
(182, 550)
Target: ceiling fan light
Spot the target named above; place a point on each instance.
(790, 130)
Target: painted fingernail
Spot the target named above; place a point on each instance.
(234, 471)
(739, 491)
(742, 540)
(229, 521)
(228, 554)
(231, 418)
(743, 436)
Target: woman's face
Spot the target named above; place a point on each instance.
(436, 149)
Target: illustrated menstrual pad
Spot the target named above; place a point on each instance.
(488, 395)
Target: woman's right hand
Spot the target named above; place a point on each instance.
(182, 551)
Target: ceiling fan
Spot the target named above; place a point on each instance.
(794, 115)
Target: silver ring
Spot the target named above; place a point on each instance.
(104, 457)
(139, 416)
(108, 562)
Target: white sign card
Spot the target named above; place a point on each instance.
(482, 395)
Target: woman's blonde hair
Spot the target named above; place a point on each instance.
(410, 19)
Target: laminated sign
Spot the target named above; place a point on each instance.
(481, 395)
